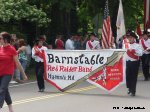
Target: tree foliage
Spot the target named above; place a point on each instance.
(20, 9)
(133, 11)
(66, 16)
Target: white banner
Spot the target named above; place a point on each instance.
(66, 68)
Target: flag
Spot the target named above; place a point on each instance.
(138, 29)
(120, 22)
(107, 37)
(146, 14)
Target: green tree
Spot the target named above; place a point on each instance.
(20, 9)
(133, 10)
(66, 16)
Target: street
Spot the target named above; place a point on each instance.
(82, 98)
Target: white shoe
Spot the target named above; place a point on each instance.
(13, 82)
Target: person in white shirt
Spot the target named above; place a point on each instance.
(29, 53)
(39, 65)
(134, 50)
(145, 43)
(69, 45)
(93, 44)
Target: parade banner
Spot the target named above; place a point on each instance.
(109, 77)
(66, 68)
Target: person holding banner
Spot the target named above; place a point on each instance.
(134, 50)
(145, 43)
(93, 44)
(39, 65)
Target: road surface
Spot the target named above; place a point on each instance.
(82, 98)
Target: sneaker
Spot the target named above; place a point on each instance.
(132, 94)
(19, 81)
(128, 92)
(41, 90)
(13, 82)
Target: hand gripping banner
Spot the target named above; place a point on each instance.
(66, 68)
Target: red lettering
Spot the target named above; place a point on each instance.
(80, 68)
(61, 68)
(51, 68)
(48, 67)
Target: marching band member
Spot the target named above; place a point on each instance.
(145, 43)
(92, 44)
(134, 50)
(125, 43)
(39, 65)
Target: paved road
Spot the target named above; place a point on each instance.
(82, 98)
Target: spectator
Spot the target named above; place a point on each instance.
(16, 75)
(77, 42)
(22, 54)
(28, 53)
(69, 45)
(59, 43)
